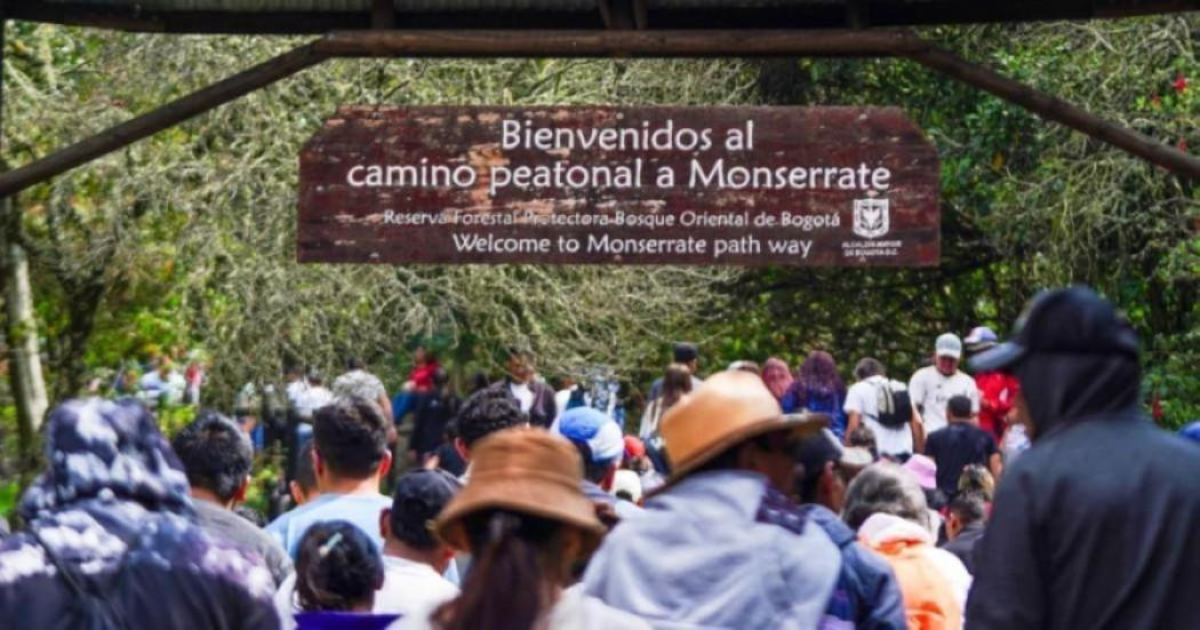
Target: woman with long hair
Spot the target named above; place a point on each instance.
(819, 389)
(676, 383)
(527, 525)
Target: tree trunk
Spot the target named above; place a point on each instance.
(20, 334)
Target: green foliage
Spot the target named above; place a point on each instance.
(187, 239)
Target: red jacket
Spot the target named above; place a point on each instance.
(997, 393)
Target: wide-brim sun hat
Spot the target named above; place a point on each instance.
(728, 409)
(528, 471)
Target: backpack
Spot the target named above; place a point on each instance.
(895, 406)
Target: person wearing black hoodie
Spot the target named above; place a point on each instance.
(1096, 525)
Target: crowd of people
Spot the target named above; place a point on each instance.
(1032, 493)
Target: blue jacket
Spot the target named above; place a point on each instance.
(867, 595)
(718, 550)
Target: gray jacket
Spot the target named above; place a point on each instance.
(718, 550)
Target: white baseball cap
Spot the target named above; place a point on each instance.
(949, 345)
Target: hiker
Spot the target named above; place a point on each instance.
(414, 561)
(933, 386)
(819, 389)
(110, 539)
(357, 382)
(434, 410)
(687, 355)
(965, 519)
(894, 430)
(526, 524)
(485, 412)
(338, 571)
(601, 448)
(217, 458)
(997, 390)
(721, 545)
(532, 397)
(867, 594)
(887, 508)
(777, 376)
(303, 488)
(1095, 525)
(350, 457)
(673, 386)
(959, 445)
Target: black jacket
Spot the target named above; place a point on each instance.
(544, 409)
(1098, 524)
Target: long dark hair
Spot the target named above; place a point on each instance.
(818, 376)
(337, 568)
(677, 382)
(518, 563)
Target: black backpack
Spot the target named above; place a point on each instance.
(895, 406)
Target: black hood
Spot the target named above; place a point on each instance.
(1063, 388)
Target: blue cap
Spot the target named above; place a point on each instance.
(591, 427)
(1191, 431)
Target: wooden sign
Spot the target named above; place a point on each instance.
(648, 185)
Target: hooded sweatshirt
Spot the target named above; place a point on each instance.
(1095, 526)
(718, 550)
(111, 518)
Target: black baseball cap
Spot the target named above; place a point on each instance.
(1063, 321)
(419, 497)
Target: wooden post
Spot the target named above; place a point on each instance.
(1058, 110)
(383, 14)
(618, 43)
(164, 117)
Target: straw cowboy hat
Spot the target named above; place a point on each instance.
(728, 409)
(528, 471)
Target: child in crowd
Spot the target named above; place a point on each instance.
(338, 570)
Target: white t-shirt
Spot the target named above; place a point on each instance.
(863, 398)
(312, 399)
(574, 611)
(931, 389)
(408, 588)
(523, 394)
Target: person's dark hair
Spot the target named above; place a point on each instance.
(515, 557)
(351, 437)
(935, 499)
(592, 471)
(677, 382)
(306, 475)
(818, 376)
(479, 382)
(338, 568)
(863, 436)
(969, 507)
(814, 453)
(216, 454)
(486, 412)
(419, 497)
(355, 363)
(314, 377)
(868, 367)
(959, 407)
(685, 352)
(441, 378)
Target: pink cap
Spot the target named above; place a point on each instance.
(924, 470)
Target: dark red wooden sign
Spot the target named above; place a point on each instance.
(647, 185)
